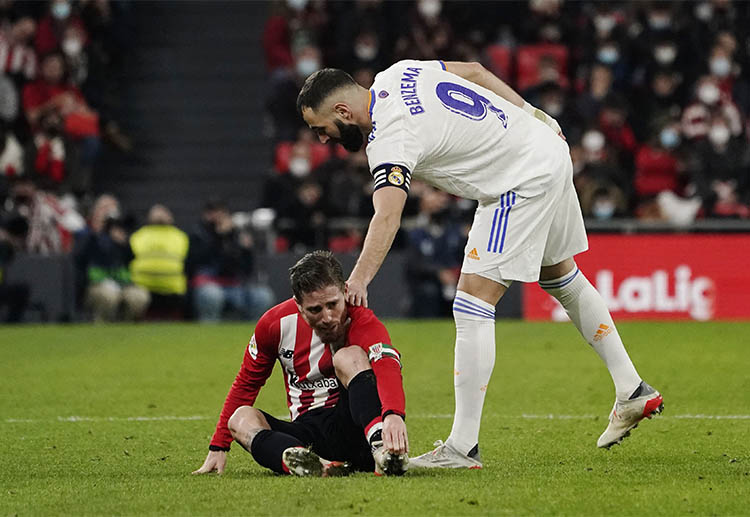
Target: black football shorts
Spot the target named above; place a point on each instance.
(331, 433)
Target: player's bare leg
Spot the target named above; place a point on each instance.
(474, 359)
(353, 370)
(245, 423)
(635, 400)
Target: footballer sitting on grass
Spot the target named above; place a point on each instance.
(343, 383)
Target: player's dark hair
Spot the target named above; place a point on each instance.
(320, 85)
(316, 270)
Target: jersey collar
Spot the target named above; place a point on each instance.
(372, 102)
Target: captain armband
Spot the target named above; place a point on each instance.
(378, 351)
(390, 175)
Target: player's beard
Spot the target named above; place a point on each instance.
(351, 137)
(335, 335)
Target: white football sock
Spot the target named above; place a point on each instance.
(473, 362)
(588, 312)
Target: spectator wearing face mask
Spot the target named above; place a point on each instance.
(604, 203)
(615, 56)
(55, 108)
(365, 52)
(430, 35)
(660, 102)
(720, 171)
(708, 102)
(281, 104)
(657, 164)
(51, 32)
(597, 168)
(727, 73)
(76, 59)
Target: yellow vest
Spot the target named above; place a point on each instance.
(159, 263)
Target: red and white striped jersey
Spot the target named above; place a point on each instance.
(307, 363)
(17, 59)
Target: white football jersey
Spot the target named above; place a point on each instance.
(457, 136)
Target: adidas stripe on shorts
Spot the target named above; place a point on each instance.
(511, 238)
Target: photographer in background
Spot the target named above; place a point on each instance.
(221, 264)
(104, 257)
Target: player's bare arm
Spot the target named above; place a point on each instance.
(389, 205)
(478, 74)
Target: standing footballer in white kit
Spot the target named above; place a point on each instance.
(461, 129)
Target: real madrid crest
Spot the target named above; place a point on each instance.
(396, 176)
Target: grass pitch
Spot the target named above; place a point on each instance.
(111, 420)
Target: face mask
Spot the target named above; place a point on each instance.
(708, 94)
(608, 55)
(299, 167)
(593, 141)
(719, 134)
(659, 21)
(61, 10)
(72, 46)
(704, 11)
(351, 137)
(297, 5)
(603, 209)
(553, 108)
(604, 24)
(669, 138)
(307, 66)
(365, 52)
(720, 66)
(665, 54)
(551, 33)
(429, 8)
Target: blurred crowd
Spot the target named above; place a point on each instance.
(653, 97)
(58, 94)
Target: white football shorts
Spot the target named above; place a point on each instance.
(510, 239)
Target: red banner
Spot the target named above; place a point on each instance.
(661, 277)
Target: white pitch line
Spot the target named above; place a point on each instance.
(525, 416)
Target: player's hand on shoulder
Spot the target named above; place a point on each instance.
(395, 438)
(215, 462)
(356, 293)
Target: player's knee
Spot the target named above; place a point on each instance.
(245, 417)
(348, 362)
(555, 271)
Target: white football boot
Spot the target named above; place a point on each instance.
(388, 463)
(444, 456)
(645, 402)
(304, 462)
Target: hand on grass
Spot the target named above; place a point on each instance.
(215, 462)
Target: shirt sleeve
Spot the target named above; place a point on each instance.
(394, 151)
(437, 64)
(367, 332)
(257, 366)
